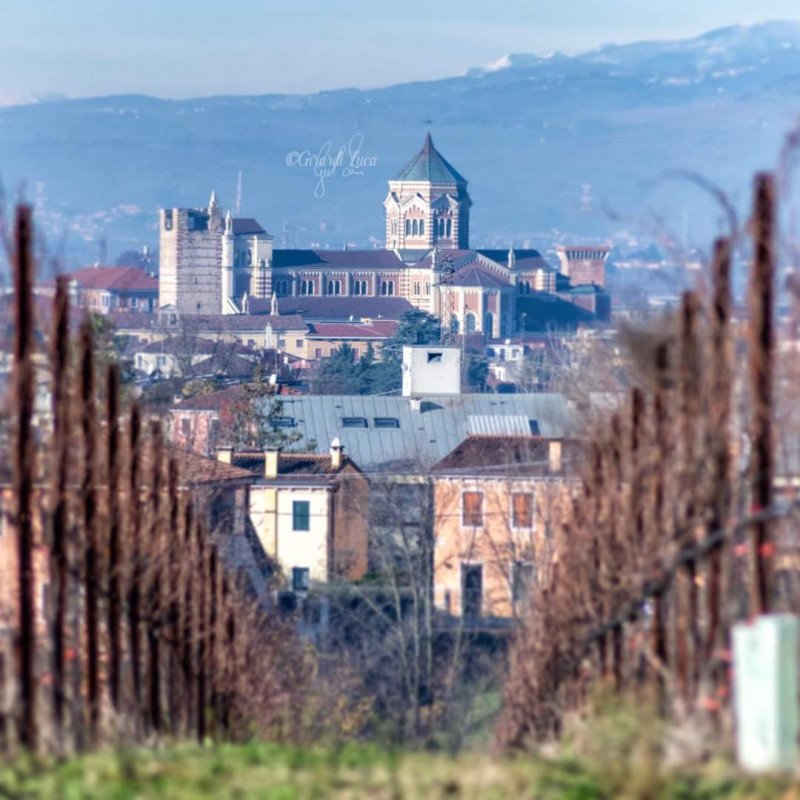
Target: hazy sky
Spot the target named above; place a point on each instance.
(185, 48)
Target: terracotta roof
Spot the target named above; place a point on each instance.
(114, 279)
(293, 467)
(380, 329)
(196, 345)
(211, 323)
(337, 259)
(508, 456)
(339, 308)
(429, 165)
(196, 469)
(213, 401)
(223, 364)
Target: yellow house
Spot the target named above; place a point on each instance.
(309, 513)
(496, 500)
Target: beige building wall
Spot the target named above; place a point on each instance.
(497, 544)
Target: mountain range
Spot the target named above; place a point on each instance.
(584, 147)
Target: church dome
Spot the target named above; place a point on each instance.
(428, 165)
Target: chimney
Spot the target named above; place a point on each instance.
(225, 455)
(271, 458)
(554, 454)
(337, 448)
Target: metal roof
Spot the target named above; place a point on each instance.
(428, 428)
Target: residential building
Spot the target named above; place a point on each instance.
(285, 333)
(496, 500)
(309, 512)
(221, 495)
(106, 289)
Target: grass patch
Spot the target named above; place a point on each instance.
(261, 771)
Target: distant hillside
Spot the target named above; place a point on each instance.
(549, 145)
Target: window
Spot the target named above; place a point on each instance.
(298, 342)
(408, 227)
(300, 579)
(387, 288)
(134, 302)
(471, 590)
(449, 229)
(521, 581)
(301, 515)
(318, 352)
(427, 288)
(434, 358)
(214, 430)
(186, 426)
(161, 361)
(386, 422)
(522, 509)
(281, 342)
(415, 228)
(283, 422)
(416, 288)
(422, 227)
(472, 509)
(354, 422)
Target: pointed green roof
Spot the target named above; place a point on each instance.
(429, 165)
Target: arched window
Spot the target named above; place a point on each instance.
(387, 288)
(422, 227)
(337, 288)
(415, 228)
(356, 287)
(248, 258)
(408, 227)
(449, 228)
(363, 287)
(427, 288)
(416, 288)
(441, 226)
(469, 322)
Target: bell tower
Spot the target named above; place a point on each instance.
(427, 204)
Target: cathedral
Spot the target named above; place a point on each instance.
(214, 263)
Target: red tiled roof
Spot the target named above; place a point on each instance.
(315, 467)
(210, 323)
(508, 456)
(114, 279)
(213, 401)
(195, 469)
(382, 329)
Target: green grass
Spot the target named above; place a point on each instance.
(355, 772)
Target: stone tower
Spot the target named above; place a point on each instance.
(190, 243)
(427, 204)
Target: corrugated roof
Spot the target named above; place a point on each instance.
(423, 436)
(499, 425)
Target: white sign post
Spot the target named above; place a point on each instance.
(766, 692)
